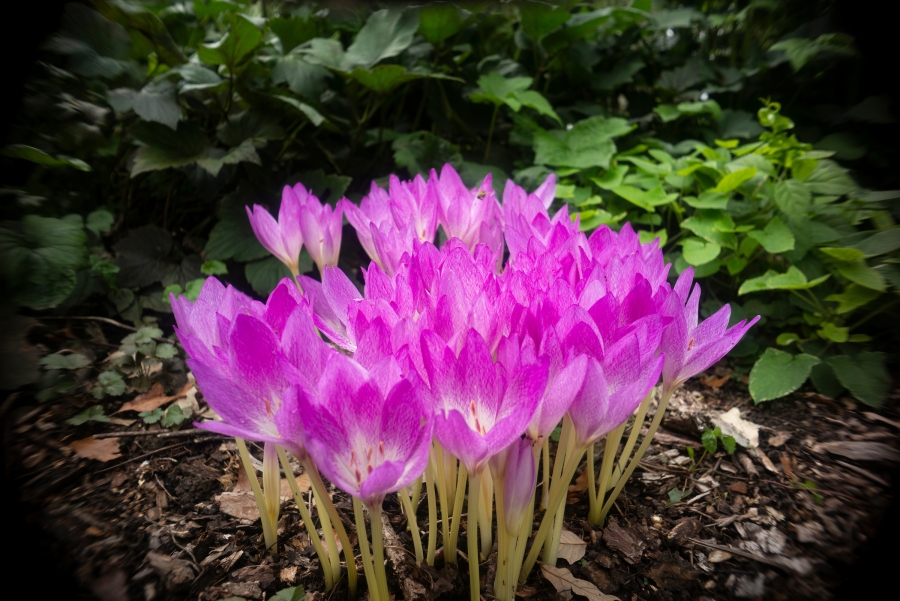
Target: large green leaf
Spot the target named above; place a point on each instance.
(647, 200)
(880, 243)
(853, 297)
(243, 153)
(793, 198)
(249, 125)
(588, 144)
(387, 33)
(712, 225)
(439, 21)
(293, 31)
(776, 238)
(154, 102)
(735, 180)
(778, 373)
(96, 47)
(865, 375)
(141, 255)
(265, 275)
(166, 148)
(793, 279)
(384, 78)
(513, 92)
(538, 19)
(143, 23)
(862, 274)
(40, 258)
(800, 51)
(699, 252)
(301, 76)
(232, 237)
(830, 178)
(240, 41)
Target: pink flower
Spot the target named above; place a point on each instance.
(321, 227)
(282, 238)
(473, 216)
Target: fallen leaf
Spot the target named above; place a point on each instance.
(719, 556)
(713, 381)
(101, 449)
(779, 439)
(571, 547)
(622, 540)
(240, 502)
(861, 450)
(738, 487)
(745, 433)
(153, 398)
(786, 467)
(526, 591)
(562, 580)
(575, 490)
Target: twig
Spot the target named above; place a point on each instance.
(111, 322)
(139, 457)
(175, 434)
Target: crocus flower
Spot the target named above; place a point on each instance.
(321, 226)
(691, 348)
(282, 238)
(473, 216)
(367, 442)
(520, 478)
(480, 409)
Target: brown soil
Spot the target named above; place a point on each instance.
(147, 524)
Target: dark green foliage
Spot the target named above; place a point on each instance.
(160, 123)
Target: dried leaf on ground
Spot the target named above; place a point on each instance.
(571, 547)
(622, 540)
(153, 398)
(101, 449)
(861, 450)
(779, 439)
(714, 381)
(745, 433)
(574, 493)
(563, 580)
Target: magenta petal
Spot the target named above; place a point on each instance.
(561, 392)
(455, 435)
(229, 430)
(384, 479)
(339, 291)
(519, 483)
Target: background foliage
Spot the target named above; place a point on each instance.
(735, 132)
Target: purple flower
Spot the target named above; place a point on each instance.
(473, 216)
(519, 481)
(691, 348)
(367, 442)
(321, 226)
(282, 238)
(480, 408)
(613, 388)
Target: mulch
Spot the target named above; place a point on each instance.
(798, 518)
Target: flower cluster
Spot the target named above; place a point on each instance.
(448, 352)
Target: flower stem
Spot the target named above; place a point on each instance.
(632, 439)
(501, 579)
(378, 550)
(450, 550)
(325, 501)
(472, 534)
(562, 452)
(557, 496)
(413, 525)
(267, 526)
(592, 484)
(609, 451)
(333, 556)
(271, 483)
(432, 512)
(645, 443)
(545, 456)
(486, 516)
(307, 520)
(446, 510)
(364, 549)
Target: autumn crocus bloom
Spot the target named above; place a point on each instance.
(282, 238)
(473, 216)
(691, 348)
(321, 227)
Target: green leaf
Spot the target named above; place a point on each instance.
(293, 31)
(793, 197)
(439, 21)
(800, 51)
(196, 77)
(240, 41)
(99, 221)
(538, 19)
(40, 258)
(213, 268)
(853, 297)
(778, 373)
(699, 252)
(823, 378)
(387, 33)
(707, 200)
(786, 338)
(167, 148)
(843, 254)
(301, 76)
(708, 438)
(588, 144)
(831, 179)
(312, 114)
(294, 593)
(245, 153)
(108, 382)
(264, 276)
(69, 361)
(667, 112)
(140, 256)
(729, 443)
(864, 375)
(776, 238)
(735, 180)
(249, 125)
(151, 417)
(794, 279)
(95, 46)
(91, 414)
(830, 331)
(232, 237)
(421, 151)
(712, 225)
(647, 200)
(880, 243)
(498, 90)
(623, 72)
(612, 178)
(154, 102)
(165, 351)
(173, 416)
(29, 153)
(862, 274)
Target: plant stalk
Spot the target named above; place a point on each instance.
(378, 549)
(413, 525)
(268, 529)
(325, 501)
(472, 534)
(368, 568)
(450, 550)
